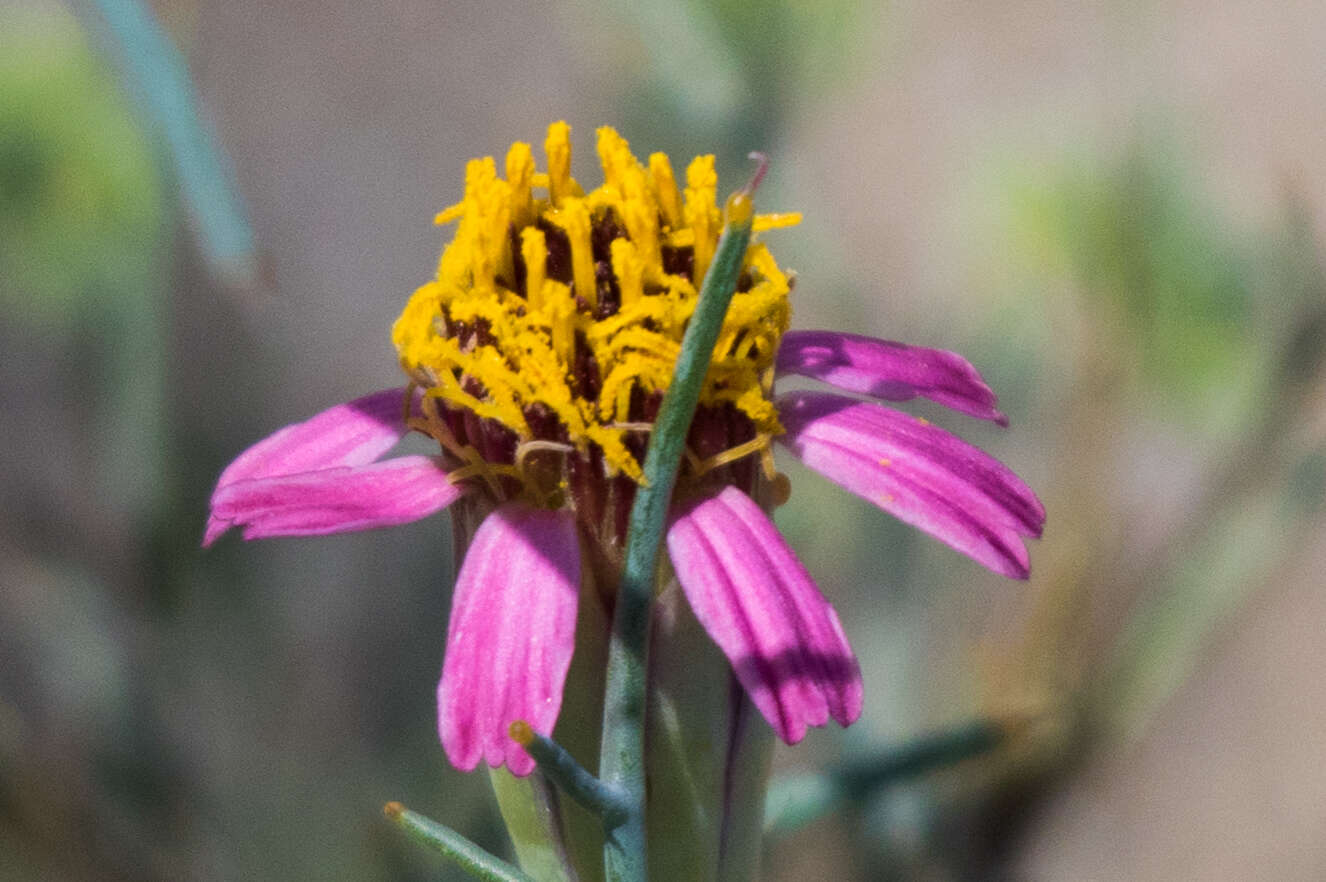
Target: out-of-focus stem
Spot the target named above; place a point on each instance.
(156, 76)
(795, 802)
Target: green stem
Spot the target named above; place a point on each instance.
(477, 862)
(556, 762)
(621, 760)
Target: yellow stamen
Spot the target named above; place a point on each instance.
(558, 150)
(487, 216)
(574, 221)
(475, 341)
(765, 222)
(616, 158)
(520, 175)
(534, 251)
(635, 202)
(560, 307)
(629, 270)
(665, 189)
(615, 454)
(702, 212)
(684, 237)
(449, 214)
(758, 444)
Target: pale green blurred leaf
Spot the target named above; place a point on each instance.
(80, 199)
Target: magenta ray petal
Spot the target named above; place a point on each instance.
(764, 611)
(335, 500)
(350, 434)
(917, 472)
(511, 635)
(888, 370)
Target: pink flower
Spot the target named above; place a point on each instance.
(543, 348)
(513, 617)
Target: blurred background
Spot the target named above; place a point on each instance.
(1115, 210)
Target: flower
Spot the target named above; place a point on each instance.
(537, 359)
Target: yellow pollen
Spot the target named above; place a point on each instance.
(885, 462)
(512, 329)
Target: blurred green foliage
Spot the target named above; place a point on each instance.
(1158, 261)
(81, 208)
(84, 233)
(1181, 329)
(725, 72)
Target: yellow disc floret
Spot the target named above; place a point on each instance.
(557, 307)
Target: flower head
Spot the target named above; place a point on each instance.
(552, 328)
(537, 359)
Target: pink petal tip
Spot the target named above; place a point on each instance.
(510, 637)
(888, 370)
(919, 473)
(764, 611)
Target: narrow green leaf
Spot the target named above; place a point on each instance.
(477, 862)
(621, 762)
(574, 779)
